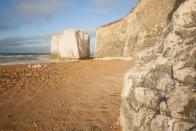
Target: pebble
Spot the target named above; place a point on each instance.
(36, 66)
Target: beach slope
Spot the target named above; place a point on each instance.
(79, 95)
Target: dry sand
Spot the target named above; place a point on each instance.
(73, 96)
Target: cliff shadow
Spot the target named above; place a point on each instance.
(78, 40)
(176, 5)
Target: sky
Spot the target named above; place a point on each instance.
(26, 26)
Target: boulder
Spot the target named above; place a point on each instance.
(159, 93)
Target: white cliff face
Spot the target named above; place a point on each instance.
(71, 44)
(68, 45)
(55, 44)
(139, 30)
(159, 93)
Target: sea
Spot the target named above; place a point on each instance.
(22, 58)
(25, 58)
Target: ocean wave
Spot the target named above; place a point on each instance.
(22, 58)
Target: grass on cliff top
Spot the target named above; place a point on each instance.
(54, 57)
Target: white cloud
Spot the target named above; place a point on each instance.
(15, 41)
(40, 7)
(40, 43)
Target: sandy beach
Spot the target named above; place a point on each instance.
(69, 96)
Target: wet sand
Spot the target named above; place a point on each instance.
(73, 96)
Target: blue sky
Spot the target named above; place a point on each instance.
(26, 26)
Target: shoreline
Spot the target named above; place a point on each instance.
(49, 61)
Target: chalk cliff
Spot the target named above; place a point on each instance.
(55, 44)
(71, 44)
(139, 30)
(159, 93)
